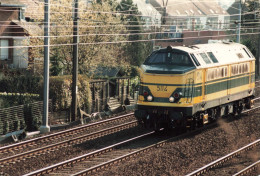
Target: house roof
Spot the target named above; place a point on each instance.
(147, 9)
(30, 28)
(34, 8)
(182, 8)
(192, 8)
(11, 3)
(210, 7)
(107, 72)
(234, 8)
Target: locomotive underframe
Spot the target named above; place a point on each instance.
(201, 113)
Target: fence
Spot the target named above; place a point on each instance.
(102, 90)
(27, 117)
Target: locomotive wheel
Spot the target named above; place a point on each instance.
(156, 127)
(249, 103)
(147, 122)
(239, 110)
(184, 126)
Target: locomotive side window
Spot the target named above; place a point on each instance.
(180, 59)
(156, 58)
(212, 57)
(247, 53)
(195, 59)
(169, 58)
(205, 58)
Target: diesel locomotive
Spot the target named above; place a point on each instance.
(185, 87)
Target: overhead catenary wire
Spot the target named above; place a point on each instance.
(116, 34)
(99, 26)
(129, 41)
(137, 32)
(128, 34)
(89, 25)
(137, 15)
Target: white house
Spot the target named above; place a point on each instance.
(192, 15)
(150, 15)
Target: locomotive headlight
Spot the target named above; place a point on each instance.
(149, 98)
(171, 99)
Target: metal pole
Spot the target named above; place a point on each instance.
(45, 128)
(75, 63)
(239, 21)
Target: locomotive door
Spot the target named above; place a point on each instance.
(203, 89)
(199, 88)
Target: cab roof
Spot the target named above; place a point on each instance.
(214, 54)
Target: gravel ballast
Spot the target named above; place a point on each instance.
(188, 154)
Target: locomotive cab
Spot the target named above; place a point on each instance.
(166, 88)
(168, 61)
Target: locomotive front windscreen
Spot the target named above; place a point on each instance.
(169, 58)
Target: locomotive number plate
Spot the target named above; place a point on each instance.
(162, 88)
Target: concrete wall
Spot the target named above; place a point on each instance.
(192, 38)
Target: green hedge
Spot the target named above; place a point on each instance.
(60, 92)
(20, 84)
(15, 99)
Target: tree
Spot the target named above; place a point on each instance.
(136, 51)
(250, 23)
(99, 37)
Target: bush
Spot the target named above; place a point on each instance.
(32, 119)
(16, 83)
(60, 92)
(15, 99)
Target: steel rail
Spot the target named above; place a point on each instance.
(60, 134)
(85, 156)
(223, 159)
(116, 160)
(69, 142)
(256, 98)
(249, 110)
(119, 159)
(248, 169)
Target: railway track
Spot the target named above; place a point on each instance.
(92, 162)
(66, 133)
(248, 169)
(66, 143)
(104, 160)
(203, 170)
